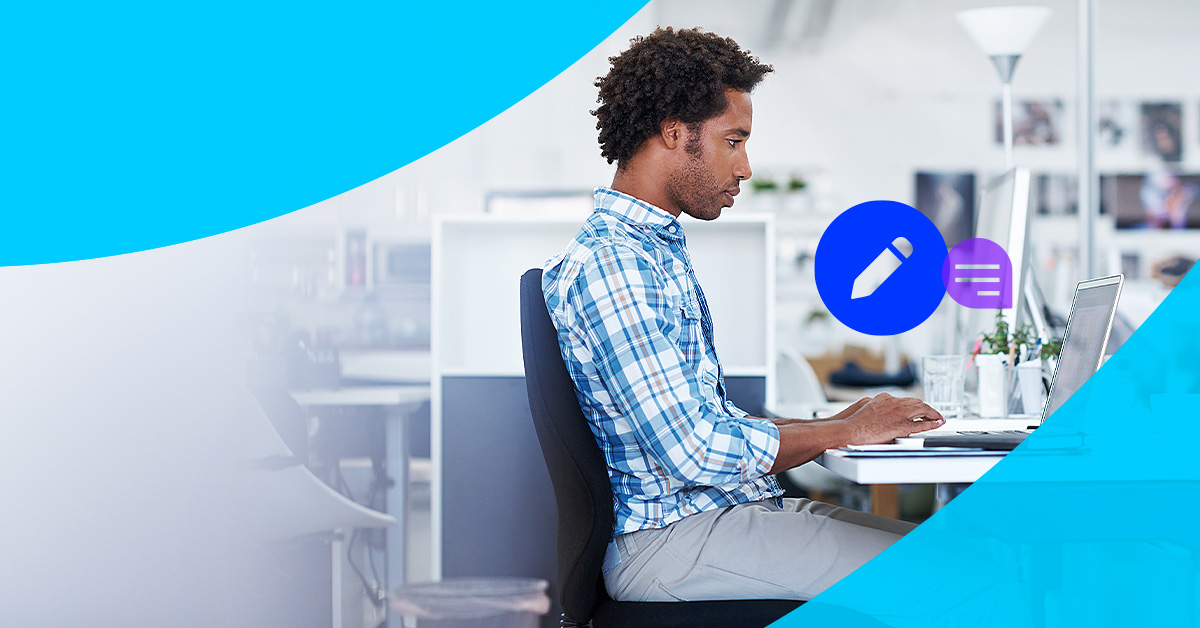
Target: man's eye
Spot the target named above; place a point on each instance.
(733, 143)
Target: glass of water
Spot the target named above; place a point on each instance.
(943, 377)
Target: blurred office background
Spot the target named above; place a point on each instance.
(870, 100)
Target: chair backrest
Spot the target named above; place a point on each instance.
(577, 469)
(795, 379)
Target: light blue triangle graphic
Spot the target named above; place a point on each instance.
(1093, 521)
(131, 125)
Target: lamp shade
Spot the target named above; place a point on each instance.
(1003, 30)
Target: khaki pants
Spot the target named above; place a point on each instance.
(748, 551)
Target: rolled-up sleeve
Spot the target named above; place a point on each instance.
(734, 410)
(629, 321)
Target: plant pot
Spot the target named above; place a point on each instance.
(1031, 394)
(993, 385)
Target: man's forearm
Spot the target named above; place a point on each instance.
(878, 419)
(802, 441)
(780, 421)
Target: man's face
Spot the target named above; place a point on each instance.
(1166, 144)
(713, 162)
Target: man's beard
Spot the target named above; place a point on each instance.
(693, 189)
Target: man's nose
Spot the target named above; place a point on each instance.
(741, 169)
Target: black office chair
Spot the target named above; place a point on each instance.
(585, 502)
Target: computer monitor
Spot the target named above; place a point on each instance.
(1002, 216)
(1084, 343)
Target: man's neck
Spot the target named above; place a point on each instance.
(644, 185)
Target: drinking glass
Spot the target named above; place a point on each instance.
(943, 378)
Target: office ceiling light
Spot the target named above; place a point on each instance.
(1003, 33)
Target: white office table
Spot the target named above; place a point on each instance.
(362, 396)
(930, 470)
(289, 501)
(921, 470)
(899, 470)
(392, 398)
(385, 366)
(884, 475)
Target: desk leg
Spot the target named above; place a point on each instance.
(397, 506)
(337, 555)
(885, 500)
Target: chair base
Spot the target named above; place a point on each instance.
(700, 614)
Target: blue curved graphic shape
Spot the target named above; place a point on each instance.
(1093, 521)
(134, 125)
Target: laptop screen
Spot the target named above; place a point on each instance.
(1085, 339)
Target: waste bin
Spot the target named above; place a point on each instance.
(474, 603)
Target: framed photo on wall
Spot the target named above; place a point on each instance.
(1035, 122)
(1162, 130)
(948, 199)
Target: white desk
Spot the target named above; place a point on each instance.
(926, 470)
(387, 366)
(389, 397)
(884, 475)
(362, 396)
(899, 470)
(289, 502)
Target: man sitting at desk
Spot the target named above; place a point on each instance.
(698, 513)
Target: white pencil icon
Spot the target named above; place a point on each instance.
(888, 261)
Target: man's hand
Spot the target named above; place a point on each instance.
(854, 407)
(835, 418)
(883, 417)
(868, 421)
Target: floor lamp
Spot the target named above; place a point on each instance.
(1003, 33)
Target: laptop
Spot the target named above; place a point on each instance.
(1083, 349)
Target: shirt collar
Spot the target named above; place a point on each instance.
(638, 212)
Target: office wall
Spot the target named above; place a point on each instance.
(895, 86)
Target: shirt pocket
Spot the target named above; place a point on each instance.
(691, 334)
(701, 363)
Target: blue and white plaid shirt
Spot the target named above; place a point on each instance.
(636, 335)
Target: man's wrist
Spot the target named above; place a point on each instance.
(802, 441)
(836, 433)
(780, 421)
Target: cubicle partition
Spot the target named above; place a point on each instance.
(492, 505)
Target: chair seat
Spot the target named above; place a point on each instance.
(700, 614)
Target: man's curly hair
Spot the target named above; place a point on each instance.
(670, 73)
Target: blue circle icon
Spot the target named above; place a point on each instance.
(879, 268)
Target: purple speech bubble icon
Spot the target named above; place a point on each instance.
(978, 275)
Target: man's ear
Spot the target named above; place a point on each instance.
(671, 133)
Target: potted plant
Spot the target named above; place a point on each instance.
(796, 198)
(767, 192)
(1010, 369)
